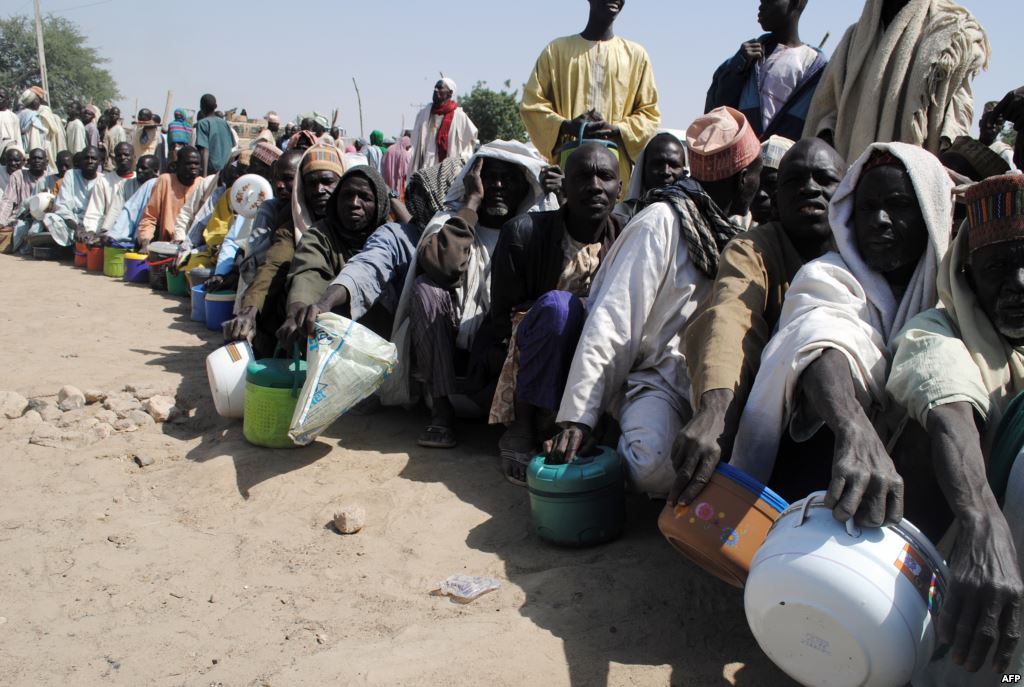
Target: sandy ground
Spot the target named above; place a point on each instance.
(217, 565)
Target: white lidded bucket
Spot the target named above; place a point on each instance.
(225, 369)
(836, 606)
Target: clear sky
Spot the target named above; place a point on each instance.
(304, 55)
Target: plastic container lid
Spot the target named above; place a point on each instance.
(163, 248)
(276, 373)
(752, 485)
(583, 474)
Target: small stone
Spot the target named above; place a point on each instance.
(108, 416)
(51, 414)
(321, 638)
(94, 396)
(210, 600)
(125, 425)
(12, 405)
(121, 405)
(99, 432)
(143, 392)
(350, 519)
(72, 417)
(216, 661)
(161, 408)
(143, 461)
(140, 418)
(46, 435)
(70, 398)
(32, 417)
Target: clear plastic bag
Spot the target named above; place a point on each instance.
(346, 363)
(466, 588)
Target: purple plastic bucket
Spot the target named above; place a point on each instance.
(136, 271)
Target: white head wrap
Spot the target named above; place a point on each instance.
(449, 83)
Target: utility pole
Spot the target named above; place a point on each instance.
(42, 53)
(359, 99)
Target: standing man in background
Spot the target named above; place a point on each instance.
(442, 130)
(213, 136)
(596, 81)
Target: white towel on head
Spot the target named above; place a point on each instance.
(838, 302)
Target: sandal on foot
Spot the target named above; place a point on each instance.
(514, 465)
(436, 436)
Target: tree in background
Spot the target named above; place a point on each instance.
(75, 70)
(495, 113)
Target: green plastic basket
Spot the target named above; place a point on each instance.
(177, 284)
(113, 261)
(271, 394)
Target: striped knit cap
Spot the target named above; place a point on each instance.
(995, 211)
(322, 158)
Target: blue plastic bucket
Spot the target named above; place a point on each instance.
(199, 303)
(220, 307)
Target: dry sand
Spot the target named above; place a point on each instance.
(216, 565)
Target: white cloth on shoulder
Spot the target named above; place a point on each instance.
(838, 302)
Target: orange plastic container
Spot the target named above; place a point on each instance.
(94, 259)
(725, 526)
(80, 255)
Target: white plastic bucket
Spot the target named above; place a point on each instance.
(225, 369)
(836, 606)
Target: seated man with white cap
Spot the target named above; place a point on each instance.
(629, 362)
(763, 209)
(443, 130)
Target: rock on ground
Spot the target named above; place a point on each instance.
(12, 405)
(350, 519)
(161, 408)
(70, 398)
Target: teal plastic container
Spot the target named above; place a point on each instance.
(272, 390)
(581, 503)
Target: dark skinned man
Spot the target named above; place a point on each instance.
(213, 136)
(360, 204)
(724, 342)
(662, 164)
(818, 414)
(263, 308)
(11, 161)
(442, 330)
(893, 77)
(772, 79)
(763, 209)
(442, 129)
(75, 131)
(629, 362)
(65, 221)
(123, 227)
(22, 185)
(542, 270)
(1011, 109)
(958, 370)
(111, 191)
(168, 196)
(570, 89)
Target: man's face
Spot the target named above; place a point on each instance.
(64, 161)
(146, 169)
(750, 181)
(773, 15)
(591, 184)
(505, 189)
(763, 206)
(90, 161)
(284, 177)
(123, 158)
(890, 229)
(441, 93)
(357, 203)
(317, 188)
(37, 162)
(997, 275)
(187, 168)
(606, 9)
(115, 114)
(809, 176)
(15, 161)
(273, 126)
(664, 163)
(991, 127)
(88, 115)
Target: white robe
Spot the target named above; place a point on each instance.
(838, 302)
(461, 138)
(106, 200)
(69, 207)
(629, 360)
(10, 129)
